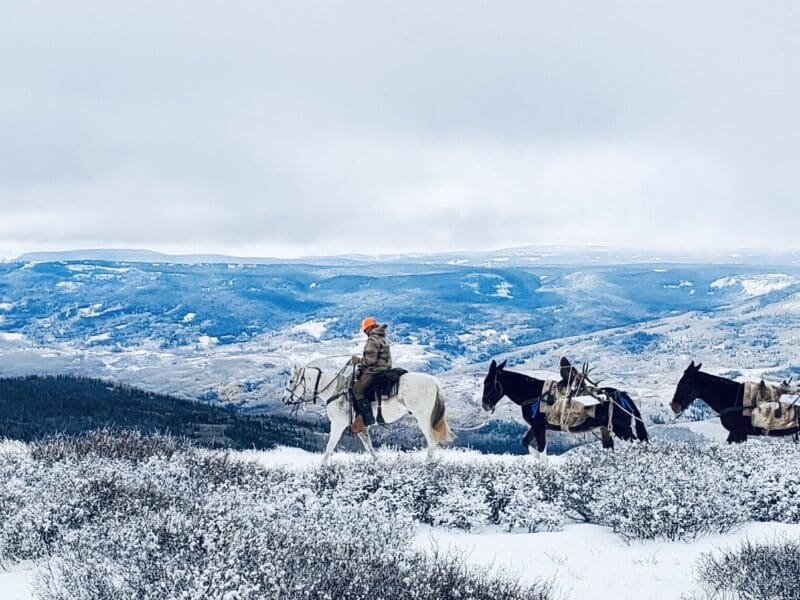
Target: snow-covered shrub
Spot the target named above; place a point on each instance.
(763, 479)
(193, 524)
(228, 545)
(107, 443)
(646, 491)
(461, 510)
(753, 571)
(528, 510)
(138, 518)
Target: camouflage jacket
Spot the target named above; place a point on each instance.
(377, 355)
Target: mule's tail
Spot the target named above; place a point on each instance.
(440, 430)
(641, 431)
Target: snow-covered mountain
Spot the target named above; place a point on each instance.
(229, 331)
(525, 256)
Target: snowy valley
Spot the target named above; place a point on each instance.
(107, 516)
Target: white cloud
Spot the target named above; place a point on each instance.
(290, 128)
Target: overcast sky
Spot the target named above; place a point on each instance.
(294, 128)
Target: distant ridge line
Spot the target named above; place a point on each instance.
(519, 256)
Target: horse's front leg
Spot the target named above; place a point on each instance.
(338, 425)
(366, 441)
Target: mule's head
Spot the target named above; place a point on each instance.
(492, 390)
(686, 392)
(296, 388)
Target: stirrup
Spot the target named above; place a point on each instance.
(379, 417)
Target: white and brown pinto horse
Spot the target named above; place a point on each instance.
(417, 393)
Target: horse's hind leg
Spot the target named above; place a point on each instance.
(367, 443)
(424, 422)
(608, 441)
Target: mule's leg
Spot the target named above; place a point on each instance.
(337, 429)
(540, 433)
(528, 439)
(624, 432)
(608, 441)
(367, 442)
(735, 437)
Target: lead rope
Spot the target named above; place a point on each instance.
(350, 402)
(611, 417)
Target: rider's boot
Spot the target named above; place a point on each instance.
(365, 410)
(357, 426)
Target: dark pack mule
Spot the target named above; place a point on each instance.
(528, 392)
(725, 397)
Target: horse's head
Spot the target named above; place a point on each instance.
(686, 392)
(296, 388)
(492, 389)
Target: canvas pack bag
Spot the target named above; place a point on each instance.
(767, 408)
(568, 413)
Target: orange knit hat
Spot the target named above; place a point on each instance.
(367, 323)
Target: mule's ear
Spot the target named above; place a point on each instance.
(690, 367)
(502, 365)
(697, 368)
(492, 365)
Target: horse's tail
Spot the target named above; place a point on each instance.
(440, 430)
(641, 431)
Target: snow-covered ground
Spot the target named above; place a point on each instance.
(589, 561)
(16, 583)
(583, 560)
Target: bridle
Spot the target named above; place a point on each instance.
(296, 399)
(497, 387)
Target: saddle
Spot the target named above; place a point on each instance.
(384, 386)
(767, 410)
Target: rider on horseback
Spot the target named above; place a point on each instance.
(376, 359)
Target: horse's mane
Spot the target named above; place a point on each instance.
(722, 381)
(522, 378)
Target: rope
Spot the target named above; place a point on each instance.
(611, 417)
(476, 427)
(629, 413)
